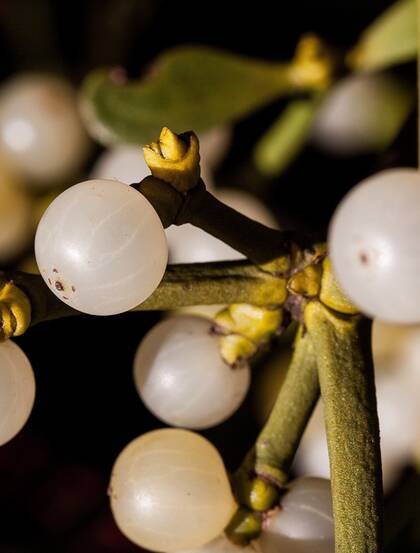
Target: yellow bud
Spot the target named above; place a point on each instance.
(306, 282)
(15, 311)
(245, 328)
(262, 495)
(311, 68)
(255, 323)
(175, 159)
(234, 348)
(172, 147)
(244, 526)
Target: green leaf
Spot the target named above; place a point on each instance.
(187, 88)
(390, 40)
(286, 137)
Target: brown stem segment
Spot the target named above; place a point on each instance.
(345, 368)
(254, 240)
(198, 207)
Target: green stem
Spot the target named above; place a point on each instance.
(345, 367)
(216, 283)
(277, 443)
(267, 465)
(182, 285)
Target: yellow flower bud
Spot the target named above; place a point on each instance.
(15, 310)
(245, 327)
(311, 68)
(235, 348)
(175, 159)
(306, 282)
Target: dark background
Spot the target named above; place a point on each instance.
(53, 476)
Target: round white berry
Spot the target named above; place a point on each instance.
(101, 248)
(213, 145)
(374, 246)
(181, 376)
(362, 113)
(169, 491)
(17, 390)
(41, 132)
(124, 163)
(304, 523)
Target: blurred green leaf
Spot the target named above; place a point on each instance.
(285, 138)
(187, 88)
(390, 40)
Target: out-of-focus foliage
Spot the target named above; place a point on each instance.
(391, 39)
(285, 138)
(187, 88)
(363, 113)
(199, 88)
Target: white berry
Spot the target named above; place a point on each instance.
(304, 523)
(169, 491)
(124, 163)
(17, 390)
(41, 132)
(181, 376)
(362, 113)
(101, 248)
(374, 246)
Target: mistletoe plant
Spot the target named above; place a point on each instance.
(101, 249)
(113, 259)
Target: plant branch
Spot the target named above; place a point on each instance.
(345, 367)
(198, 207)
(266, 466)
(182, 285)
(254, 240)
(277, 443)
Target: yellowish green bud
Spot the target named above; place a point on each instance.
(244, 527)
(311, 68)
(306, 282)
(15, 310)
(245, 328)
(175, 159)
(235, 348)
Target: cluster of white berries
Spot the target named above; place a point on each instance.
(101, 248)
(170, 493)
